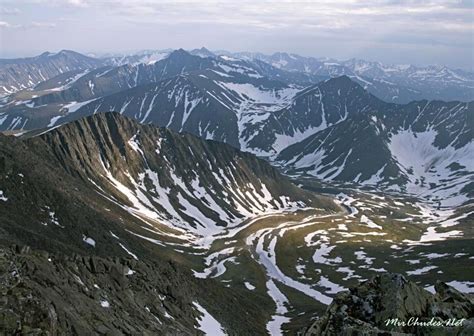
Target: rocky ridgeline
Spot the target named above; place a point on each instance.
(391, 305)
(43, 293)
(46, 294)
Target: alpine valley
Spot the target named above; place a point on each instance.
(201, 192)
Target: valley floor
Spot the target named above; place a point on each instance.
(300, 260)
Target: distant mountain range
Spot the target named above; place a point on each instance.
(392, 83)
(335, 129)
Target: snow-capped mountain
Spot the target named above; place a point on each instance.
(422, 147)
(210, 104)
(248, 103)
(144, 56)
(23, 73)
(63, 95)
(392, 83)
(180, 181)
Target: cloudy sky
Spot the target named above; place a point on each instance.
(392, 31)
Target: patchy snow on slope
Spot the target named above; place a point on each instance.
(376, 178)
(422, 270)
(267, 257)
(104, 304)
(333, 287)
(426, 165)
(53, 218)
(350, 273)
(249, 286)
(188, 216)
(283, 141)
(54, 120)
(74, 106)
(207, 323)
(215, 264)
(361, 255)
(436, 255)
(431, 235)
(88, 240)
(462, 286)
(321, 254)
(190, 104)
(153, 58)
(366, 220)
(274, 325)
(248, 91)
(135, 144)
(3, 197)
(128, 251)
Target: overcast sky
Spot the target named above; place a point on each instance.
(391, 31)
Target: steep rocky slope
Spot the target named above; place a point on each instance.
(333, 130)
(176, 179)
(104, 204)
(177, 182)
(46, 293)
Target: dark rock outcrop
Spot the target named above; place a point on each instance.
(391, 305)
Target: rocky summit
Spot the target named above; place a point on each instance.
(391, 305)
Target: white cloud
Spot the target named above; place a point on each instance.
(78, 3)
(329, 15)
(4, 24)
(34, 24)
(9, 11)
(324, 27)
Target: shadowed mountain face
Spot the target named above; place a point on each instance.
(174, 181)
(169, 177)
(105, 189)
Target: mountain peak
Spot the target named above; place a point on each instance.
(67, 52)
(336, 84)
(341, 79)
(202, 52)
(179, 52)
(343, 83)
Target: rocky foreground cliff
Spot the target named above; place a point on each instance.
(391, 305)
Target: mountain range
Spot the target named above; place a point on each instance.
(393, 83)
(324, 129)
(264, 185)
